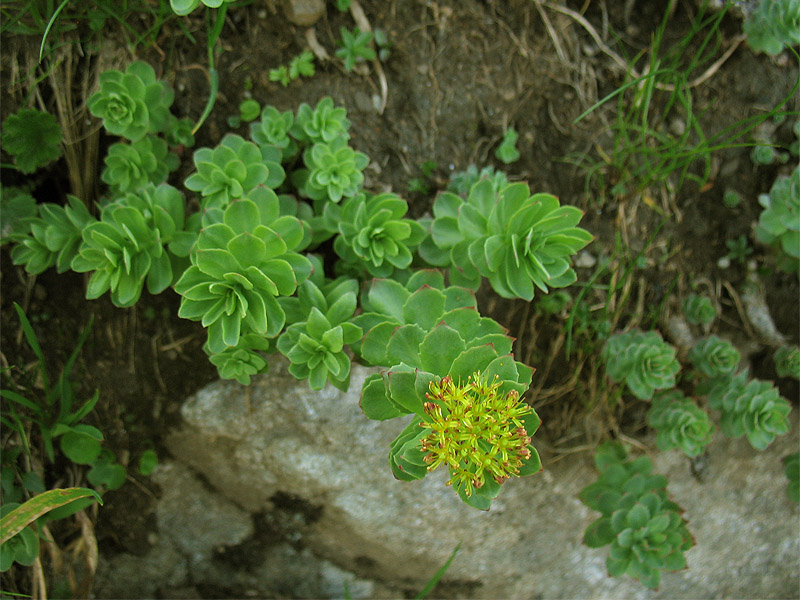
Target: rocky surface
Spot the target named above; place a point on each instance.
(303, 502)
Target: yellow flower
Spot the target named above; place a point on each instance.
(475, 430)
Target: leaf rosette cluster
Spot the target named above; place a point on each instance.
(751, 408)
(239, 267)
(644, 528)
(373, 232)
(233, 170)
(779, 222)
(51, 238)
(461, 182)
(126, 248)
(333, 170)
(273, 130)
(132, 104)
(320, 329)
(773, 25)
(714, 356)
(323, 123)
(517, 240)
(699, 309)
(242, 361)
(132, 166)
(642, 360)
(787, 361)
(679, 423)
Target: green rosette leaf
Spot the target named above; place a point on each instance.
(130, 167)
(773, 25)
(787, 361)
(714, 356)
(699, 309)
(334, 170)
(679, 423)
(779, 222)
(125, 249)
(239, 268)
(642, 360)
(132, 104)
(324, 123)
(516, 240)
(752, 408)
(642, 527)
(232, 170)
(53, 238)
(374, 233)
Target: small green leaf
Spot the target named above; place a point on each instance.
(403, 391)
(375, 401)
(404, 345)
(148, 461)
(599, 534)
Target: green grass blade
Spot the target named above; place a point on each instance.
(50, 25)
(438, 575)
(33, 342)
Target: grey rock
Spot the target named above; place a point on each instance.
(278, 436)
(187, 506)
(130, 576)
(304, 12)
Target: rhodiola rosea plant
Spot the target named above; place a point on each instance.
(245, 268)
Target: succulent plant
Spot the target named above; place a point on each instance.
(273, 130)
(131, 166)
(244, 360)
(184, 7)
(355, 47)
(334, 170)
(424, 333)
(18, 209)
(239, 266)
(232, 170)
(373, 232)
(314, 342)
(752, 408)
(715, 356)
(53, 238)
(779, 222)
(179, 132)
(132, 104)
(324, 123)
(507, 150)
(773, 25)
(642, 360)
(33, 138)
(699, 309)
(461, 182)
(787, 361)
(644, 529)
(679, 423)
(792, 469)
(516, 240)
(126, 248)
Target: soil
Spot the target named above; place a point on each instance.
(459, 73)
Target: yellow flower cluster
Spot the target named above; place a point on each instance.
(475, 430)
